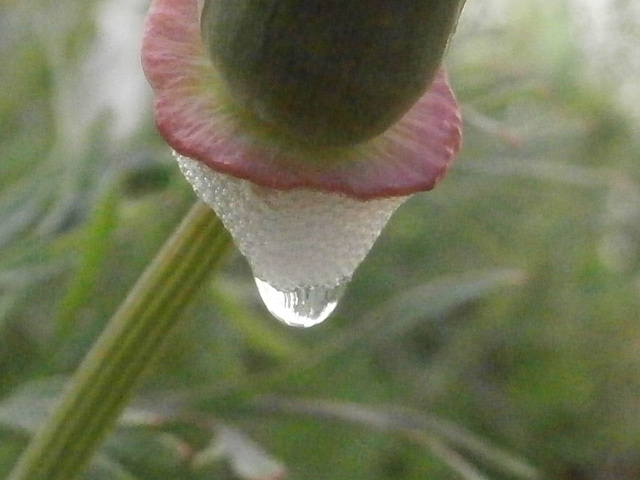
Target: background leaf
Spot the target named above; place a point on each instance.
(506, 301)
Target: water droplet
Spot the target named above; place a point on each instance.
(302, 306)
(296, 240)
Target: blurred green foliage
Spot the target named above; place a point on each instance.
(506, 301)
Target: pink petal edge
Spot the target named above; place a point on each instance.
(412, 156)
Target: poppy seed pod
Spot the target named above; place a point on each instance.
(328, 72)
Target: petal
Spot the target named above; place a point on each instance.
(196, 117)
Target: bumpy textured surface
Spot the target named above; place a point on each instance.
(292, 238)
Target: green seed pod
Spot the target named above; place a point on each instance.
(328, 72)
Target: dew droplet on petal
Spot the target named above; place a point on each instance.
(302, 245)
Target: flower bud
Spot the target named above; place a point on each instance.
(328, 72)
(304, 124)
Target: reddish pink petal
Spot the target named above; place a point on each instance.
(195, 118)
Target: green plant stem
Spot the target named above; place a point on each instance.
(101, 386)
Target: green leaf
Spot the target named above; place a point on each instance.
(248, 460)
(425, 302)
(99, 231)
(105, 468)
(154, 454)
(444, 439)
(259, 334)
(29, 405)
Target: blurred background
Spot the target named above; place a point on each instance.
(492, 333)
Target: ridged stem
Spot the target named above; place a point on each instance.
(101, 386)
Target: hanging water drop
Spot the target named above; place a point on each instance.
(302, 245)
(301, 306)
